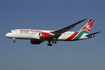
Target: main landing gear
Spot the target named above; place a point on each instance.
(49, 43)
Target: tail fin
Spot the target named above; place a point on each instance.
(87, 26)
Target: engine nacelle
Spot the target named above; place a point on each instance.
(33, 41)
(44, 35)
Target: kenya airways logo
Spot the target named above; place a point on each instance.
(88, 27)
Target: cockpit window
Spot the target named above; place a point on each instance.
(10, 32)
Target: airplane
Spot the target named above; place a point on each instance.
(37, 36)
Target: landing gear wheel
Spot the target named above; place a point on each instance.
(49, 44)
(14, 40)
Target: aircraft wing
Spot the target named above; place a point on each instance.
(64, 29)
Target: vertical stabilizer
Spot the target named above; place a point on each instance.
(87, 26)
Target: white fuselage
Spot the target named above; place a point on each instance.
(34, 34)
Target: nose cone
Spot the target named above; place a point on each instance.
(7, 35)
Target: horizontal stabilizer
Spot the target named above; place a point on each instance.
(92, 34)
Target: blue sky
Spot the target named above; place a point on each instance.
(51, 14)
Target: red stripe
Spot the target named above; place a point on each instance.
(72, 36)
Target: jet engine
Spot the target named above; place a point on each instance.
(34, 41)
(44, 35)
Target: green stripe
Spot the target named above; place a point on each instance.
(80, 34)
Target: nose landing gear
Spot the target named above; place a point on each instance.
(14, 40)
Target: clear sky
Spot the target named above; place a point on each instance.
(51, 14)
